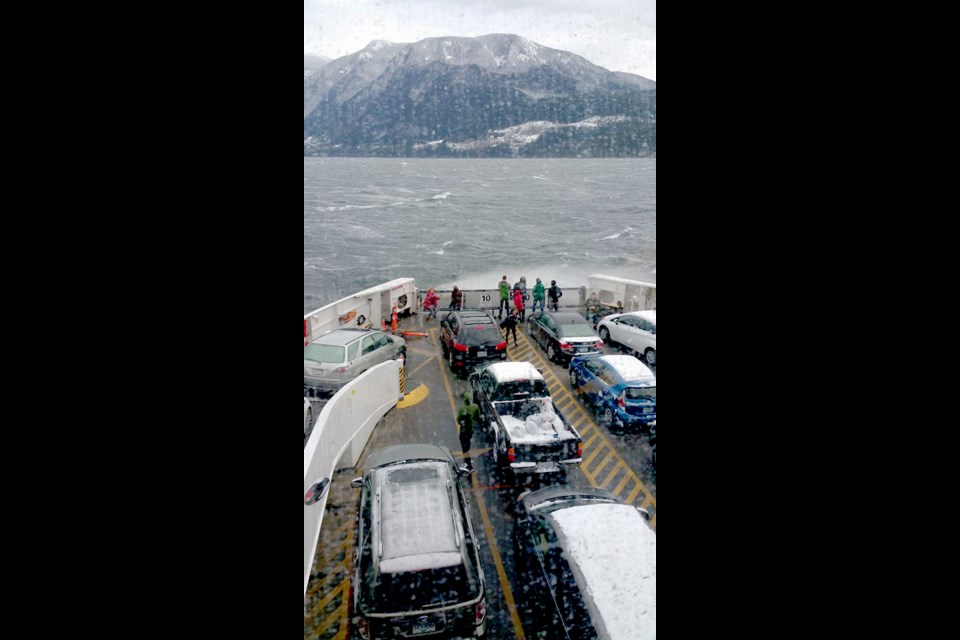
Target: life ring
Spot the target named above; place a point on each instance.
(361, 320)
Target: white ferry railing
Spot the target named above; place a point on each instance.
(368, 308)
(339, 437)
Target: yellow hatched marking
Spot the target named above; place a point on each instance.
(596, 452)
(635, 492)
(613, 474)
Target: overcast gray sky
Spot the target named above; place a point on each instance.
(620, 35)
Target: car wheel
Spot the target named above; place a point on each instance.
(609, 418)
(604, 334)
(574, 383)
(451, 361)
(551, 353)
(651, 357)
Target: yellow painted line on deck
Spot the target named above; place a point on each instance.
(623, 483)
(613, 474)
(488, 527)
(420, 366)
(416, 396)
(636, 491)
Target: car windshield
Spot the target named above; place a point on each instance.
(575, 331)
(635, 393)
(475, 336)
(324, 353)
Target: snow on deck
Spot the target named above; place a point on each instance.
(416, 525)
(616, 552)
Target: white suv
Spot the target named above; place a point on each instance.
(635, 331)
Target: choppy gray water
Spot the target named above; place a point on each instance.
(469, 222)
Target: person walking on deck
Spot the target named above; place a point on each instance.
(510, 324)
(467, 418)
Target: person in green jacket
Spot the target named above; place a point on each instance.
(467, 418)
(504, 296)
(538, 295)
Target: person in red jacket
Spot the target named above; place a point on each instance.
(430, 303)
(518, 303)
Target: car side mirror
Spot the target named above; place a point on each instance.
(356, 483)
(316, 492)
(644, 513)
(464, 471)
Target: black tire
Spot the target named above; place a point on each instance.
(574, 382)
(651, 357)
(551, 353)
(609, 418)
(605, 335)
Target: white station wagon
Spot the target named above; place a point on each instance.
(635, 331)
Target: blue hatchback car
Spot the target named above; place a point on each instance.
(622, 388)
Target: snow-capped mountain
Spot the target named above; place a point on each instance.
(493, 95)
(312, 64)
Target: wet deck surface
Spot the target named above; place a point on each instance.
(619, 461)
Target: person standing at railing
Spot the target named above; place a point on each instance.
(555, 294)
(518, 303)
(456, 299)
(538, 294)
(504, 296)
(430, 303)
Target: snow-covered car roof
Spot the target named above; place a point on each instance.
(631, 369)
(417, 526)
(514, 372)
(616, 553)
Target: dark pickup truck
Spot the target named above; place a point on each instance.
(529, 433)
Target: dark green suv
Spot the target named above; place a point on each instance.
(417, 567)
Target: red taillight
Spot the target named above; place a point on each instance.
(341, 370)
(580, 449)
(461, 347)
(481, 611)
(502, 346)
(565, 347)
(511, 454)
(622, 400)
(599, 345)
(364, 628)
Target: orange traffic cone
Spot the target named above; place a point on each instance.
(383, 323)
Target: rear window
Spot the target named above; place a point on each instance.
(633, 393)
(324, 353)
(508, 390)
(416, 590)
(477, 335)
(575, 331)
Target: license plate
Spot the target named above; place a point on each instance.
(649, 409)
(547, 467)
(481, 354)
(424, 627)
